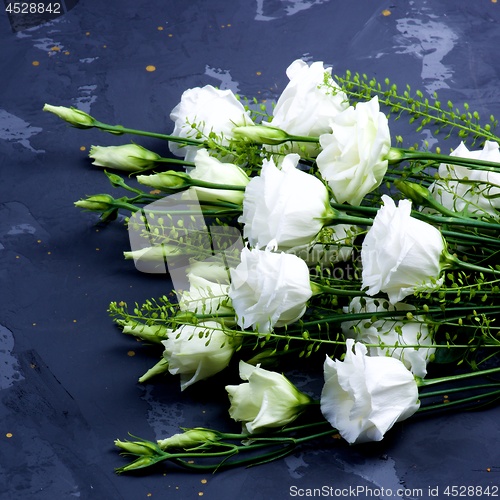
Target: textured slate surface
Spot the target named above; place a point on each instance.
(67, 379)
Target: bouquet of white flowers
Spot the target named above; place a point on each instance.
(306, 233)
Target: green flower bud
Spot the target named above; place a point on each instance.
(415, 192)
(140, 463)
(97, 203)
(189, 439)
(261, 134)
(166, 181)
(395, 155)
(129, 157)
(72, 115)
(140, 448)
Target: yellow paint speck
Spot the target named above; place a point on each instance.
(386, 12)
(203, 481)
(9, 435)
(200, 493)
(17, 257)
(160, 28)
(88, 33)
(228, 25)
(258, 73)
(170, 35)
(55, 49)
(66, 52)
(97, 249)
(82, 148)
(36, 63)
(74, 321)
(131, 353)
(150, 68)
(38, 241)
(34, 324)
(493, 1)
(49, 253)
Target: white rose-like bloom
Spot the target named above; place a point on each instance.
(478, 196)
(212, 110)
(286, 205)
(353, 160)
(269, 289)
(390, 332)
(208, 291)
(198, 352)
(401, 254)
(205, 297)
(210, 169)
(268, 399)
(305, 106)
(363, 396)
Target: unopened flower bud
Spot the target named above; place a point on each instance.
(261, 134)
(97, 203)
(395, 156)
(188, 439)
(140, 448)
(166, 181)
(140, 463)
(417, 193)
(74, 116)
(129, 157)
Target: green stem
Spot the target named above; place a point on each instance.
(460, 264)
(319, 289)
(453, 378)
(398, 155)
(302, 138)
(456, 389)
(456, 402)
(119, 130)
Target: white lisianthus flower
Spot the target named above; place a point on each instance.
(269, 289)
(401, 254)
(363, 396)
(268, 399)
(198, 352)
(211, 110)
(210, 169)
(306, 106)
(286, 205)
(212, 269)
(353, 159)
(471, 190)
(128, 157)
(388, 333)
(207, 295)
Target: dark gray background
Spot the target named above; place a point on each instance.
(67, 384)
